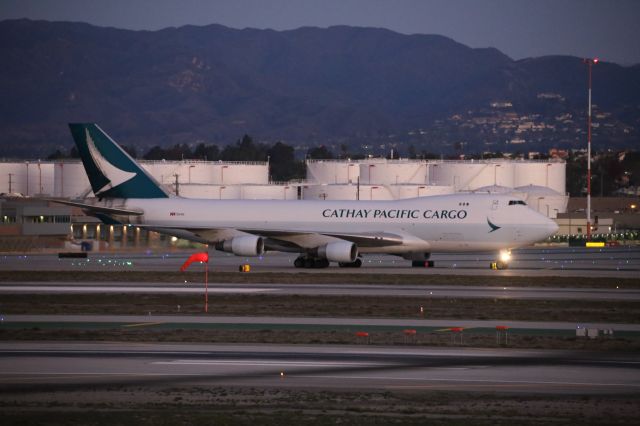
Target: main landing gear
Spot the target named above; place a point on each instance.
(310, 262)
(422, 263)
(320, 262)
(355, 264)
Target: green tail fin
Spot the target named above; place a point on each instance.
(111, 171)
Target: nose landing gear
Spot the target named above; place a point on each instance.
(503, 261)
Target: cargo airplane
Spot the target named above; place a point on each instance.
(321, 231)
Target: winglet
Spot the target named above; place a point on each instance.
(111, 171)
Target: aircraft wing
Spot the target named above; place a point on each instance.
(282, 238)
(380, 239)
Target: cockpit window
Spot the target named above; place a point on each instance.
(514, 202)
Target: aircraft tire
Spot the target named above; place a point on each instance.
(355, 264)
(299, 262)
(321, 263)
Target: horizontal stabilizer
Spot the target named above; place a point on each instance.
(100, 209)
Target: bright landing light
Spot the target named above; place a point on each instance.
(505, 256)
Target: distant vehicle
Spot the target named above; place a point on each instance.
(321, 231)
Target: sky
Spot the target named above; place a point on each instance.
(607, 29)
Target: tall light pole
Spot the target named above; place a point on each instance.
(39, 178)
(27, 164)
(590, 62)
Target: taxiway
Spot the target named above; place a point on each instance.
(398, 290)
(618, 262)
(53, 366)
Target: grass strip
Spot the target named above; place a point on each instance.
(522, 339)
(579, 311)
(320, 278)
(179, 404)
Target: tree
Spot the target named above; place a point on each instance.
(56, 155)
(320, 153)
(129, 149)
(155, 153)
(411, 152)
(176, 152)
(206, 152)
(244, 150)
(282, 163)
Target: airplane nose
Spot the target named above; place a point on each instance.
(552, 226)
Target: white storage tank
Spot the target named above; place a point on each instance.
(470, 175)
(198, 190)
(208, 172)
(188, 171)
(13, 178)
(330, 192)
(412, 191)
(40, 178)
(375, 192)
(162, 171)
(269, 192)
(550, 174)
(240, 172)
(346, 192)
(495, 189)
(213, 192)
(28, 178)
(70, 180)
(388, 172)
(332, 171)
(544, 200)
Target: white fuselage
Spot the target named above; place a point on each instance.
(459, 222)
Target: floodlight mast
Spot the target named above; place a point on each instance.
(590, 62)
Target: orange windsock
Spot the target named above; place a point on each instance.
(195, 257)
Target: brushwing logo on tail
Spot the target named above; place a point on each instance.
(115, 175)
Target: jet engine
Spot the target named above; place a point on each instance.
(340, 251)
(249, 245)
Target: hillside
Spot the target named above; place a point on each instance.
(307, 86)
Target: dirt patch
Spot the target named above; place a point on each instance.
(265, 405)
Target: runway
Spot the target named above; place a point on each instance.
(57, 366)
(264, 322)
(397, 290)
(621, 262)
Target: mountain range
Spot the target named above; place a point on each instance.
(307, 86)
